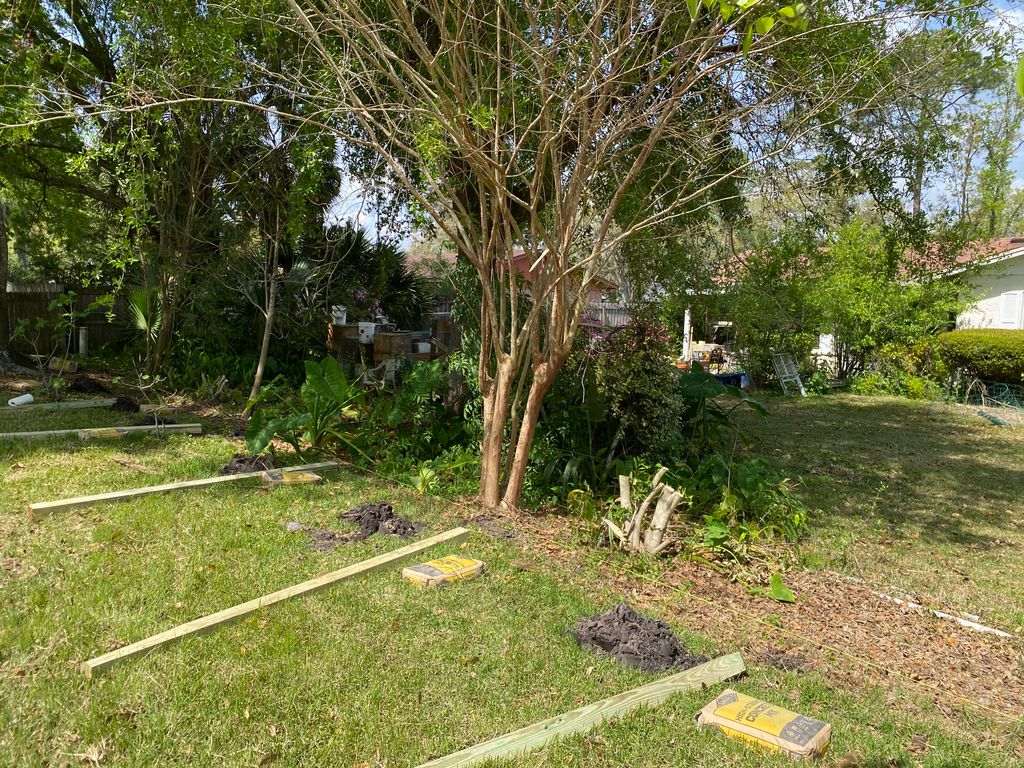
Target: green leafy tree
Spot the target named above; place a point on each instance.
(567, 131)
(867, 306)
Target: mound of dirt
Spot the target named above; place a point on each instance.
(88, 385)
(379, 517)
(634, 640)
(240, 464)
(125, 405)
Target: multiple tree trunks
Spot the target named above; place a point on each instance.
(590, 716)
(227, 616)
(633, 536)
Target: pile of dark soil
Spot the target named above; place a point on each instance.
(379, 517)
(153, 420)
(241, 464)
(125, 405)
(89, 386)
(634, 640)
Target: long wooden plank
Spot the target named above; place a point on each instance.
(64, 405)
(588, 717)
(40, 509)
(107, 432)
(228, 615)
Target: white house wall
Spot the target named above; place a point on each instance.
(999, 296)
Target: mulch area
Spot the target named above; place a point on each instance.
(838, 628)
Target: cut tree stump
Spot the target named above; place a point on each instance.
(633, 536)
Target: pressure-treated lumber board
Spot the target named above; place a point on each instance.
(228, 615)
(107, 432)
(588, 717)
(40, 509)
(64, 405)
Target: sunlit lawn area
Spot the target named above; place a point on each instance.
(373, 672)
(917, 496)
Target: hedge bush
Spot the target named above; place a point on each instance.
(993, 354)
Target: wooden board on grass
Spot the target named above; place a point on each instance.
(40, 509)
(64, 405)
(229, 615)
(106, 433)
(590, 716)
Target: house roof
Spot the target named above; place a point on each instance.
(980, 253)
(984, 253)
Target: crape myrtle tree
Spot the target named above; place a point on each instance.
(540, 135)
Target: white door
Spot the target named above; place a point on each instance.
(1010, 307)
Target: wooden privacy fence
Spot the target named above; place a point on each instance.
(32, 301)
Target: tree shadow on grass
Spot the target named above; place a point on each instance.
(922, 469)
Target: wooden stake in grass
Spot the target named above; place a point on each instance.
(229, 615)
(107, 432)
(586, 718)
(65, 405)
(40, 509)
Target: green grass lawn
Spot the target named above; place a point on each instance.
(369, 673)
(914, 496)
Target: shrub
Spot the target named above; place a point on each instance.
(744, 502)
(638, 382)
(319, 417)
(421, 419)
(707, 421)
(994, 354)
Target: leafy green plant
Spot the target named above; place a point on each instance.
(582, 504)
(144, 311)
(742, 503)
(817, 384)
(422, 418)
(636, 379)
(425, 480)
(319, 417)
(776, 590)
(707, 421)
(452, 472)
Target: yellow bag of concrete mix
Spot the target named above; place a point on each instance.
(279, 477)
(766, 725)
(442, 571)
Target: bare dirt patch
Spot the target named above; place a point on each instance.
(321, 539)
(848, 633)
(635, 640)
